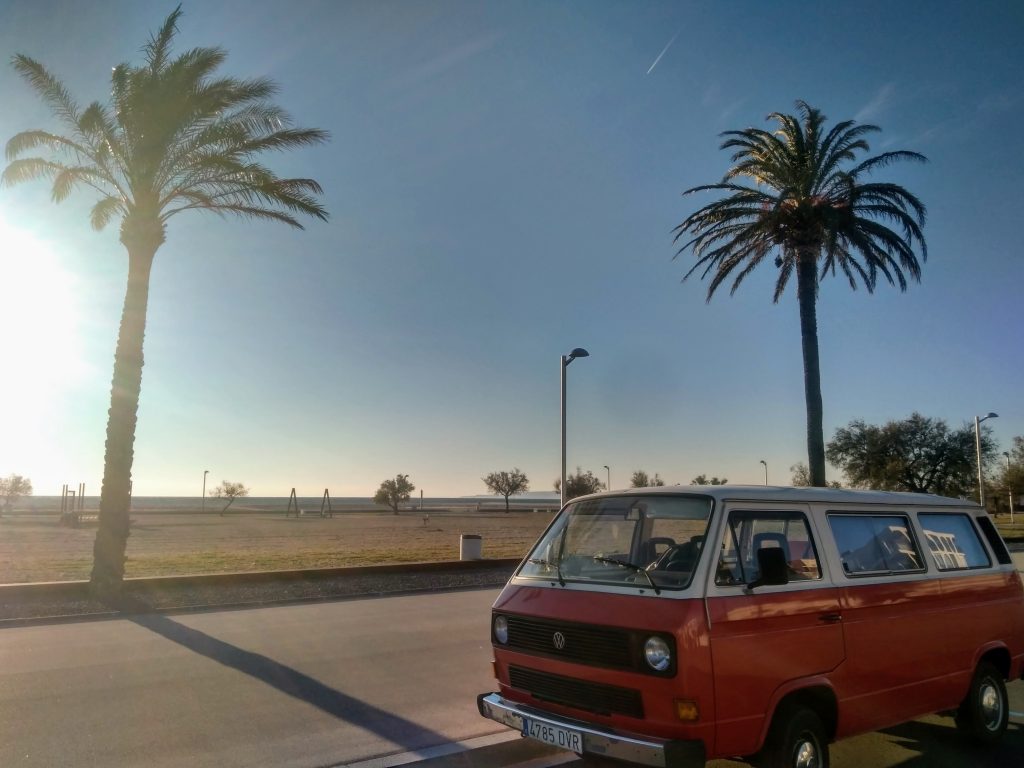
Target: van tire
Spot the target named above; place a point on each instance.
(985, 712)
(796, 739)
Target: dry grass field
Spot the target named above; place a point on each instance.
(36, 548)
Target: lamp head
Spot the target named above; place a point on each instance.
(578, 352)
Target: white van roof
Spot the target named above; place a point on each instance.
(802, 495)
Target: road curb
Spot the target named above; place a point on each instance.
(69, 601)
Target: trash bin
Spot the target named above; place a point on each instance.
(471, 547)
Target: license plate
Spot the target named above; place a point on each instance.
(555, 735)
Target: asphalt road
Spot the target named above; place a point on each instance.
(307, 686)
(302, 685)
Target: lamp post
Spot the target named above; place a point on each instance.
(765, 471)
(566, 359)
(977, 446)
(1009, 488)
(609, 487)
(205, 473)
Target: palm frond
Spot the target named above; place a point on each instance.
(71, 176)
(30, 169)
(884, 159)
(104, 211)
(159, 45)
(49, 87)
(282, 140)
(235, 208)
(29, 140)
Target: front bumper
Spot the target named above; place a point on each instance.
(658, 753)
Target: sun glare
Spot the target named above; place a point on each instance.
(41, 359)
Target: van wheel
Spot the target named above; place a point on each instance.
(796, 740)
(985, 711)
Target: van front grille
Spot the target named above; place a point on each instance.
(591, 644)
(580, 694)
(597, 646)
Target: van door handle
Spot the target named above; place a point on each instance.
(831, 618)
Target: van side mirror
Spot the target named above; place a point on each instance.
(774, 569)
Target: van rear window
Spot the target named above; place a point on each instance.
(953, 541)
(994, 541)
(870, 545)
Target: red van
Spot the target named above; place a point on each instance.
(670, 626)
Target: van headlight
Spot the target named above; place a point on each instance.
(501, 629)
(657, 654)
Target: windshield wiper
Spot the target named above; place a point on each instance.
(630, 566)
(556, 566)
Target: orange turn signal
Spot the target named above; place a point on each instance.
(687, 711)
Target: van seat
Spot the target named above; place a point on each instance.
(779, 539)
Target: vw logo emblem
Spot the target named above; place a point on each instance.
(559, 640)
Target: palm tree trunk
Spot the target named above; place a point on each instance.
(807, 294)
(115, 495)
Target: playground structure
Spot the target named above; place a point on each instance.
(325, 506)
(72, 507)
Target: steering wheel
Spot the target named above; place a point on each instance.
(650, 549)
(675, 558)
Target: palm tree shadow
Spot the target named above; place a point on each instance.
(940, 745)
(407, 734)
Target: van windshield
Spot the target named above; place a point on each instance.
(650, 542)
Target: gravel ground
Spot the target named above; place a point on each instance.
(33, 606)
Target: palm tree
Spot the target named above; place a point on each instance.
(816, 213)
(174, 138)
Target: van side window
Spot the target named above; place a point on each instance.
(748, 532)
(873, 544)
(953, 541)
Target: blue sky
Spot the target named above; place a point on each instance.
(503, 179)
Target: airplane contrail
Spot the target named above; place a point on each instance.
(663, 52)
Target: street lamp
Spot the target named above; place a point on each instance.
(1009, 488)
(977, 445)
(205, 473)
(765, 471)
(609, 476)
(566, 359)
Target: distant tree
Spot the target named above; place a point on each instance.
(703, 480)
(579, 484)
(174, 137)
(229, 491)
(917, 454)
(798, 197)
(802, 477)
(12, 488)
(641, 479)
(393, 492)
(507, 484)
